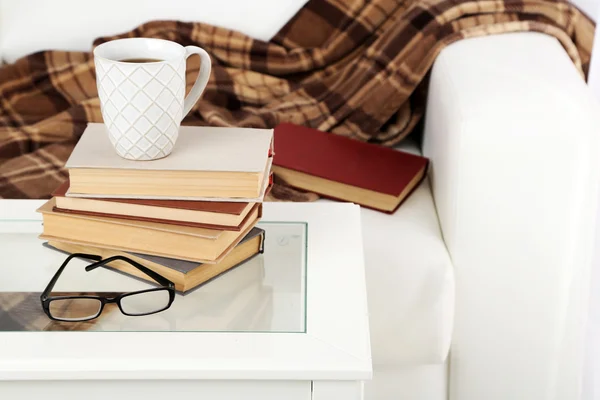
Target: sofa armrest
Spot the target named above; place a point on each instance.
(512, 133)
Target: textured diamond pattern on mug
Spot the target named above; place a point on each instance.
(142, 105)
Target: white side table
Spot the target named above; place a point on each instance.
(295, 327)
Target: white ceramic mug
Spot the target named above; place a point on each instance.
(143, 103)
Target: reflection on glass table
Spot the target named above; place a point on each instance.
(265, 294)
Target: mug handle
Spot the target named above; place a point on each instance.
(201, 80)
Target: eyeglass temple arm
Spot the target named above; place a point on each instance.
(52, 282)
(158, 278)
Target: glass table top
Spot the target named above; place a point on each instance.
(265, 294)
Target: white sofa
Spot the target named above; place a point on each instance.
(479, 284)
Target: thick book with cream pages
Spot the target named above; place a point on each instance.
(186, 275)
(207, 163)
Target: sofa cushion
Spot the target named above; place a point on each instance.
(410, 283)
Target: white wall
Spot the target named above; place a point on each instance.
(592, 8)
(591, 379)
(588, 6)
(594, 78)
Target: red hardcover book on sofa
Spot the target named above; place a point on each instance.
(345, 169)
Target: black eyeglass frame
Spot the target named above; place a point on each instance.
(46, 299)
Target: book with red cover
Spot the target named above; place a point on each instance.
(216, 207)
(345, 169)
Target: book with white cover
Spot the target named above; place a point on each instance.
(212, 153)
(198, 148)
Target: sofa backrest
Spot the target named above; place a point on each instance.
(27, 26)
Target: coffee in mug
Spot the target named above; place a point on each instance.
(141, 85)
(141, 60)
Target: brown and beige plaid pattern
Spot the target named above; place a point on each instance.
(351, 67)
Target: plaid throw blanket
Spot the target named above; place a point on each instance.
(352, 67)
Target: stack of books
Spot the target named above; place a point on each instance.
(190, 216)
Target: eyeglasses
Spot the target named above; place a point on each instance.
(81, 307)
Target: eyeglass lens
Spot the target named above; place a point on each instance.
(76, 309)
(145, 302)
